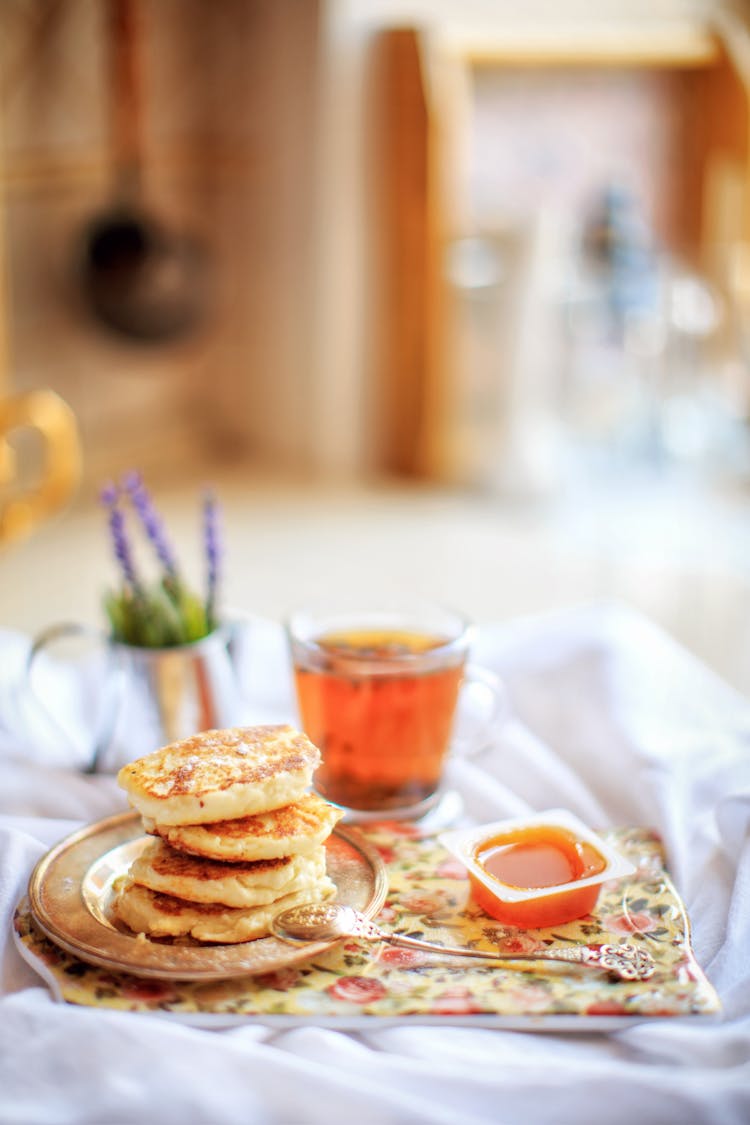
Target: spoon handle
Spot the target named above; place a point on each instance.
(625, 961)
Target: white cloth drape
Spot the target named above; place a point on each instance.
(610, 719)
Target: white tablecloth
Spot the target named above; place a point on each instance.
(611, 720)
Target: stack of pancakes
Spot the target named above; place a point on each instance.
(237, 837)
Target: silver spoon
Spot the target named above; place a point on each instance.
(330, 921)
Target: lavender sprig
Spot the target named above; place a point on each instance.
(152, 524)
(212, 546)
(110, 497)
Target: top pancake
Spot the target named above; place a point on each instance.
(221, 775)
(295, 829)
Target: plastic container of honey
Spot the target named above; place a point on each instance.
(536, 871)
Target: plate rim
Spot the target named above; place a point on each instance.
(235, 959)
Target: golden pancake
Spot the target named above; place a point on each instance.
(162, 869)
(296, 829)
(158, 915)
(221, 775)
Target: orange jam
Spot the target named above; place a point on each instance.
(531, 859)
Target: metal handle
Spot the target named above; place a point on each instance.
(625, 961)
(109, 713)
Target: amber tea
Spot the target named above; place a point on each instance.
(380, 704)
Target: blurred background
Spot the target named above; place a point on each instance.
(438, 297)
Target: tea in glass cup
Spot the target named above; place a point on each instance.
(377, 692)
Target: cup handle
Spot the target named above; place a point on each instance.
(44, 411)
(484, 684)
(40, 644)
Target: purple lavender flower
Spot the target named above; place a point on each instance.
(212, 545)
(110, 497)
(109, 494)
(153, 526)
(165, 613)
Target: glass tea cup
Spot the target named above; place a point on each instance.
(378, 692)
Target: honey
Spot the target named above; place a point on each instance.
(533, 858)
(537, 872)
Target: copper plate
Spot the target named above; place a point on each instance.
(70, 894)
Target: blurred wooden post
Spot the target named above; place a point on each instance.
(7, 463)
(405, 250)
(4, 318)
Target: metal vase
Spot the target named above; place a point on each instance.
(160, 695)
(144, 698)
